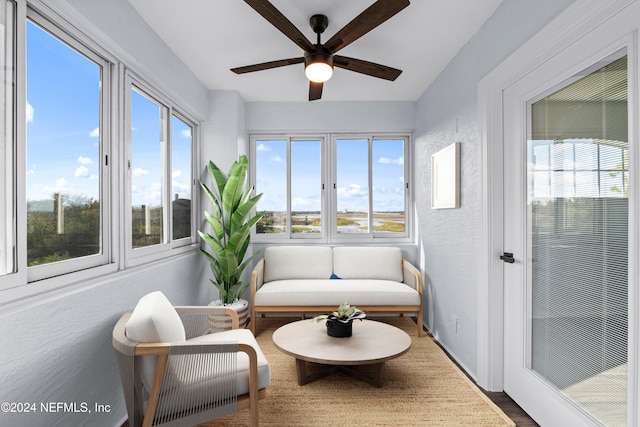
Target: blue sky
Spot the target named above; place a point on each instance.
(63, 112)
(63, 92)
(352, 175)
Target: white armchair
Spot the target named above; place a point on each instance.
(178, 369)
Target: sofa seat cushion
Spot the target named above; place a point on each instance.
(335, 292)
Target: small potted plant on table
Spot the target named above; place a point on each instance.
(340, 323)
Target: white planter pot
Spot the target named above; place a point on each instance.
(241, 306)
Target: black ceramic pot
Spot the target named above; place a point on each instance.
(338, 329)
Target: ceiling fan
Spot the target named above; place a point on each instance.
(320, 58)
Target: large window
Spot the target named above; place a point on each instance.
(65, 86)
(290, 178)
(159, 167)
(332, 187)
(96, 164)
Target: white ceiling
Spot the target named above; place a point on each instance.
(212, 36)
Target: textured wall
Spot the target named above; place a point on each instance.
(447, 113)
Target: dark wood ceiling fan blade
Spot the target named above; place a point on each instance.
(366, 67)
(373, 16)
(315, 90)
(278, 20)
(267, 65)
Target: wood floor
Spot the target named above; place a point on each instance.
(511, 408)
(504, 402)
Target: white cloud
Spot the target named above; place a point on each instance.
(32, 170)
(81, 171)
(186, 133)
(94, 177)
(262, 147)
(140, 172)
(176, 173)
(60, 186)
(352, 190)
(95, 133)
(183, 190)
(277, 159)
(30, 112)
(388, 160)
(84, 160)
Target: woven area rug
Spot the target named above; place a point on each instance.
(421, 388)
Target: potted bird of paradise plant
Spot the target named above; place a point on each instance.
(231, 223)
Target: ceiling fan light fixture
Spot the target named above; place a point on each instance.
(318, 65)
(318, 72)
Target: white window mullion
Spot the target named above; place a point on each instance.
(370, 186)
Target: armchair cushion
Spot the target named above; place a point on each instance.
(155, 320)
(242, 379)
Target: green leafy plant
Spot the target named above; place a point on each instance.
(345, 313)
(231, 225)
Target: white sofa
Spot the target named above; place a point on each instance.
(317, 279)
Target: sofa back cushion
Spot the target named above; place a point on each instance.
(297, 262)
(352, 262)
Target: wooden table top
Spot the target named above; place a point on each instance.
(371, 342)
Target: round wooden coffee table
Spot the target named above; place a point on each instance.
(372, 343)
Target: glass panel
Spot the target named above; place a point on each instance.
(388, 186)
(181, 143)
(146, 171)
(63, 150)
(306, 185)
(578, 236)
(271, 173)
(7, 144)
(352, 171)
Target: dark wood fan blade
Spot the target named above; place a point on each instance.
(315, 90)
(366, 67)
(278, 20)
(373, 16)
(267, 65)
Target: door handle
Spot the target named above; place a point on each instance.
(508, 257)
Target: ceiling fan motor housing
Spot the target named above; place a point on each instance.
(318, 54)
(319, 23)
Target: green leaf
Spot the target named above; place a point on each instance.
(217, 176)
(242, 212)
(236, 184)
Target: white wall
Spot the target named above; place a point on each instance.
(57, 347)
(446, 113)
(327, 117)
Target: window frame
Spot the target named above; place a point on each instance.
(328, 168)
(103, 257)
(289, 236)
(372, 235)
(19, 282)
(169, 246)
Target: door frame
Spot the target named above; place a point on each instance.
(576, 21)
